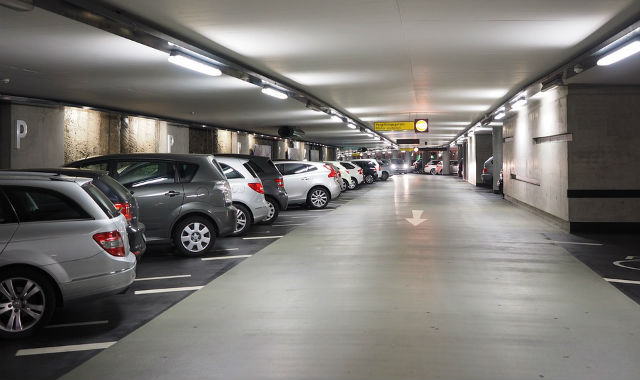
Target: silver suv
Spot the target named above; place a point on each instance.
(313, 183)
(184, 198)
(60, 239)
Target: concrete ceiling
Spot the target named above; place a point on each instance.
(378, 60)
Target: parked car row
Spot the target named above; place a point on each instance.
(79, 231)
(436, 167)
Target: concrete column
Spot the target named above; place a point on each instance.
(497, 156)
(445, 162)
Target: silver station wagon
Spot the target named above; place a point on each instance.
(61, 239)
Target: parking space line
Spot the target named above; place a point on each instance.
(622, 281)
(226, 249)
(289, 224)
(168, 290)
(298, 217)
(75, 324)
(262, 237)
(225, 257)
(60, 349)
(325, 209)
(162, 278)
(574, 242)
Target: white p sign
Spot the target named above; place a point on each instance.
(21, 131)
(170, 141)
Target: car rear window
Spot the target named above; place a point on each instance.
(347, 165)
(37, 205)
(256, 168)
(142, 173)
(6, 211)
(101, 199)
(186, 172)
(250, 169)
(230, 172)
(112, 189)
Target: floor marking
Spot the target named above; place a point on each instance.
(226, 249)
(416, 220)
(162, 278)
(325, 209)
(168, 290)
(574, 242)
(622, 281)
(298, 217)
(619, 264)
(290, 224)
(630, 257)
(59, 349)
(225, 257)
(262, 237)
(90, 323)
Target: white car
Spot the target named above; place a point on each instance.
(431, 167)
(348, 180)
(377, 166)
(354, 171)
(307, 182)
(246, 191)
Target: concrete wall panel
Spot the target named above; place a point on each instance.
(43, 146)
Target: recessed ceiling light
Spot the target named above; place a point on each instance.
(626, 51)
(194, 64)
(275, 93)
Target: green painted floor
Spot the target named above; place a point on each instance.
(476, 291)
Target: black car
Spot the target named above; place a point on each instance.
(121, 198)
(272, 181)
(369, 170)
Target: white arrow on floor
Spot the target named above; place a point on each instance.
(416, 217)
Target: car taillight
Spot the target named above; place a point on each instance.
(257, 187)
(348, 172)
(124, 208)
(111, 242)
(359, 171)
(279, 182)
(485, 171)
(332, 173)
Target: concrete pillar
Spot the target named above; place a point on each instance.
(478, 151)
(497, 156)
(445, 162)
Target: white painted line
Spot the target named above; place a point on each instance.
(162, 278)
(262, 237)
(226, 249)
(289, 224)
(573, 242)
(60, 349)
(324, 209)
(630, 257)
(297, 217)
(90, 323)
(622, 281)
(168, 290)
(225, 257)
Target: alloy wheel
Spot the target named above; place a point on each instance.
(272, 211)
(22, 304)
(195, 237)
(241, 221)
(353, 184)
(319, 198)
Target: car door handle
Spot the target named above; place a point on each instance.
(306, 178)
(172, 193)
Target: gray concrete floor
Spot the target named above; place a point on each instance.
(477, 291)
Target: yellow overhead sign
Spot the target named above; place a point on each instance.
(393, 126)
(407, 149)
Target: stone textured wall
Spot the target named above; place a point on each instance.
(139, 135)
(89, 133)
(224, 142)
(203, 140)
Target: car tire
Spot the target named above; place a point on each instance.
(318, 198)
(353, 184)
(194, 236)
(433, 172)
(243, 220)
(274, 211)
(385, 176)
(33, 294)
(344, 185)
(368, 179)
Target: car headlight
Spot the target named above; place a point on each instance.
(393, 166)
(405, 166)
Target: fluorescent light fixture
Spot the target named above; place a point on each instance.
(377, 138)
(275, 93)
(499, 114)
(352, 126)
(520, 102)
(627, 50)
(337, 119)
(185, 61)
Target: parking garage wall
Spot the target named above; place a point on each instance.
(603, 184)
(535, 155)
(478, 151)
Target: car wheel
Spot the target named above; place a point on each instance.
(274, 210)
(433, 172)
(27, 302)
(243, 220)
(369, 179)
(385, 176)
(345, 185)
(194, 236)
(318, 198)
(353, 184)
